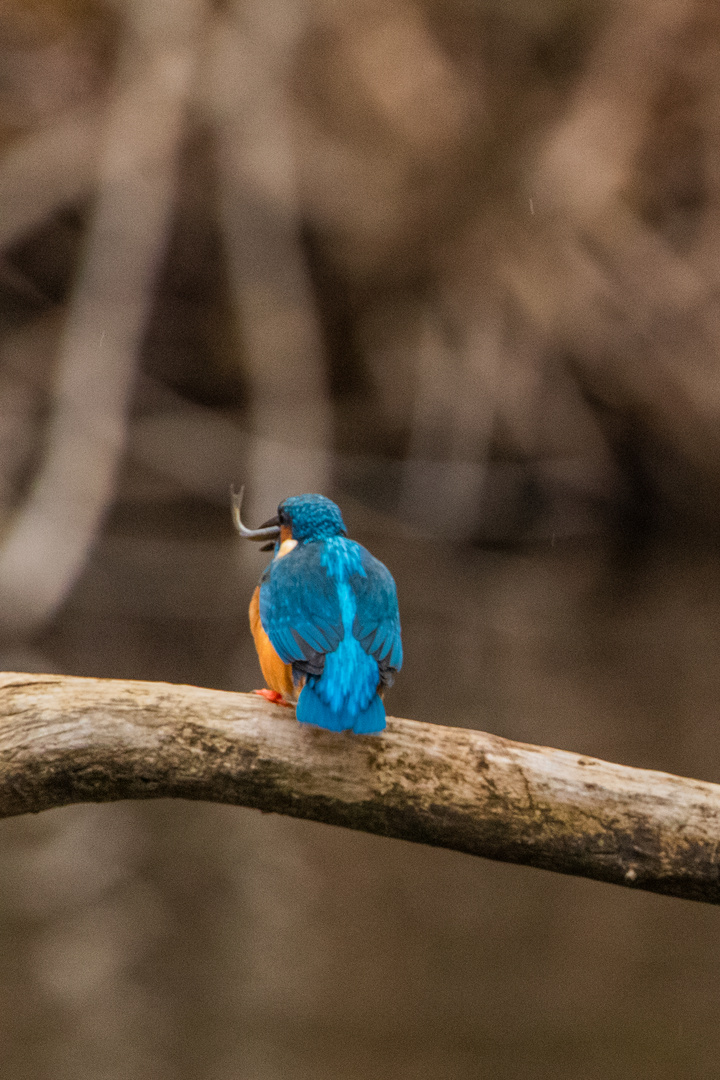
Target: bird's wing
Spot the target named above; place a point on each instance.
(377, 619)
(299, 606)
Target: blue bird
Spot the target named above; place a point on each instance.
(324, 617)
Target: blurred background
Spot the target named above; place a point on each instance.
(457, 265)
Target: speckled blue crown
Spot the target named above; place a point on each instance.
(313, 517)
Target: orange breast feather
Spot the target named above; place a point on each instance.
(277, 674)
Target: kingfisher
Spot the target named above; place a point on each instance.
(324, 617)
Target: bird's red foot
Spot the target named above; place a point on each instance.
(273, 696)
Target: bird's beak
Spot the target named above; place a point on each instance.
(269, 531)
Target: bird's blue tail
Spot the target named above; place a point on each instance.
(312, 709)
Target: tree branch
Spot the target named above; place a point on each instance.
(66, 740)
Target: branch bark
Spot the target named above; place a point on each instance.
(67, 740)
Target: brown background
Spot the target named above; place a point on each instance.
(456, 265)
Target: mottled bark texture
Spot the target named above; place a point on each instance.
(66, 740)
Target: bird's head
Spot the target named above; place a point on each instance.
(300, 517)
(310, 517)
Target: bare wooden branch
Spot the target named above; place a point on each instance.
(67, 740)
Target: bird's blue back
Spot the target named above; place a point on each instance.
(330, 609)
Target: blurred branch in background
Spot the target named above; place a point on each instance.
(47, 169)
(456, 266)
(45, 548)
(66, 740)
(250, 105)
(624, 293)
